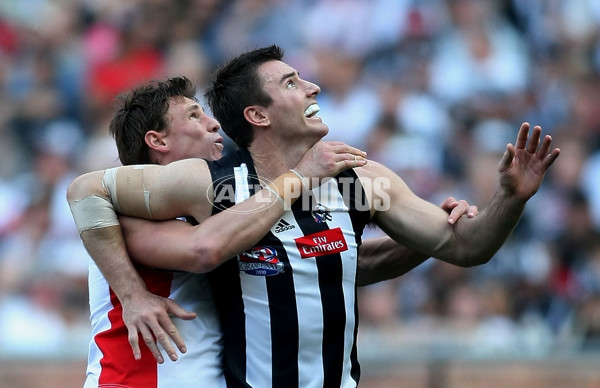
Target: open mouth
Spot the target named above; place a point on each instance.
(219, 142)
(312, 111)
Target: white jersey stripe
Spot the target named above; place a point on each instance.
(99, 320)
(242, 191)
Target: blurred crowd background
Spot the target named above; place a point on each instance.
(434, 89)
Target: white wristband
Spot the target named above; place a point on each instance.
(305, 184)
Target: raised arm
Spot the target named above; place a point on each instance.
(382, 258)
(423, 227)
(164, 192)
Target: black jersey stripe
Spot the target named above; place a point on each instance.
(355, 369)
(228, 299)
(284, 321)
(356, 200)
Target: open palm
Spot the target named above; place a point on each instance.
(524, 165)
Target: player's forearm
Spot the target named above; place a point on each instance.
(382, 259)
(107, 249)
(101, 234)
(479, 238)
(234, 230)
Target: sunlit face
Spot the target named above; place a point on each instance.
(192, 133)
(294, 108)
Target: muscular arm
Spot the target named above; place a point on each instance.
(383, 258)
(422, 226)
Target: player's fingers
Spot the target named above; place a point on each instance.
(507, 158)
(351, 161)
(161, 337)
(534, 142)
(551, 158)
(522, 136)
(341, 148)
(473, 211)
(449, 204)
(544, 148)
(150, 341)
(458, 211)
(172, 335)
(359, 161)
(133, 337)
(176, 310)
(354, 151)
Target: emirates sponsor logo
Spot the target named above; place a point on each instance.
(322, 243)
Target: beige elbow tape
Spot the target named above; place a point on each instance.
(93, 212)
(128, 192)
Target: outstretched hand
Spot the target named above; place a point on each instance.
(524, 165)
(148, 317)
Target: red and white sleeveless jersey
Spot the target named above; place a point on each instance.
(110, 358)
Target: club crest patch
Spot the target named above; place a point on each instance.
(260, 261)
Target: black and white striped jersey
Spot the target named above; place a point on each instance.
(288, 305)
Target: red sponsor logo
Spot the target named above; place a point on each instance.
(322, 243)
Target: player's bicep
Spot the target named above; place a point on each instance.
(162, 192)
(417, 224)
(408, 219)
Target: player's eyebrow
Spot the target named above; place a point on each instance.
(288, 75)
(194, 107)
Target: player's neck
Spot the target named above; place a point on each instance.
(271, 160)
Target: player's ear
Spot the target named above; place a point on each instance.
(155, 141)
(255, 115)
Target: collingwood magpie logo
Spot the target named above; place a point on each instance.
(321, 213)
(283, 225)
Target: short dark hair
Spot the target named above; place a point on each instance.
(144, 109)
(235, 86)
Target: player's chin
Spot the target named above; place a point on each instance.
(320, 127)
(218, 154)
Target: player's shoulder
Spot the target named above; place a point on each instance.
(373, 169)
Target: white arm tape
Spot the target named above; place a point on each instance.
(109, 183)
(128, 191)
(93, 212)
